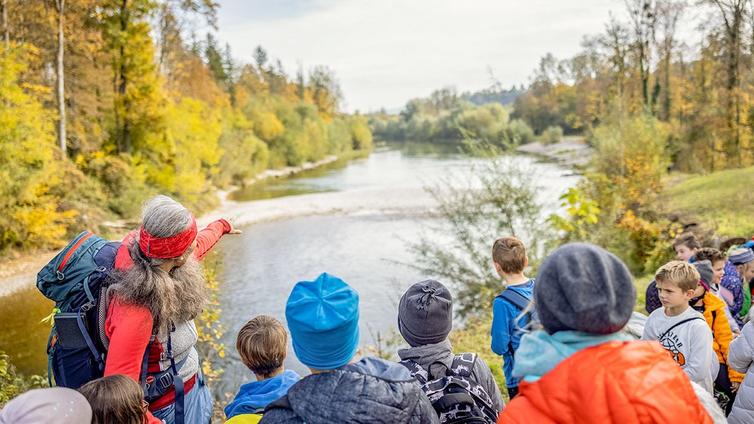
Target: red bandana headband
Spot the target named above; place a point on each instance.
(167, 247)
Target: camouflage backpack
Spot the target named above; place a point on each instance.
(456, 397)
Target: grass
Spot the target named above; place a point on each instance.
(722, 201)
(641, 282)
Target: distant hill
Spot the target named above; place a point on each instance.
(494, 95)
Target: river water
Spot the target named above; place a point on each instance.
(355, 220)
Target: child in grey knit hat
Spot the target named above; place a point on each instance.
(581, 367)
(425, 318)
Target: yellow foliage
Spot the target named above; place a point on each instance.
(631, 152)
(208, 323)
(29, 169)
(267, 126)
(184, 157)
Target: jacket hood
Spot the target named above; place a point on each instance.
(256, 395)
(540, 352)
(428, 354)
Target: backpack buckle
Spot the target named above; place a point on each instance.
(60, 275)
(165, 381)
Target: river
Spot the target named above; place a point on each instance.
(354, 220)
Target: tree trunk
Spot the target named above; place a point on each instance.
(61, 78)
(666, 90)
(124, 136)
(643, 75)
(734, 104)
(6, 33)
(733, 14)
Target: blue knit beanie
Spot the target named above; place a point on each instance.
(323, 318)
(741, 256)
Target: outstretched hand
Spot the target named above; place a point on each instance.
(233, 229)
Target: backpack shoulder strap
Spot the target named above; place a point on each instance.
(463, 367)
(419, 373)
(665, 333)
(517, 299)
(463, 364)
(105, 295)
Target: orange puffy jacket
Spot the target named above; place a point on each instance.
(714, 314)
(613, 382)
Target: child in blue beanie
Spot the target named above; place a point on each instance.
(323, 319)
(262, 344)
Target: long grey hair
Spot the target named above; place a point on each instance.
(175, 296)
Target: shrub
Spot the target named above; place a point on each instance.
(552, 135)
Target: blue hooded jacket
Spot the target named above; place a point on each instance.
(507, 328)
(255, 396)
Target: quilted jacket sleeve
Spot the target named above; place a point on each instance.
(741, 351)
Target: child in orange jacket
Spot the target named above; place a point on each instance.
(713, 309)
(580, 367)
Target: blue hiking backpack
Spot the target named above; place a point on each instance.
(76, 279)
(521, 302)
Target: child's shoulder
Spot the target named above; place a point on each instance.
(656, 314)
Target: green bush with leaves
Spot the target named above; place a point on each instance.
(446, 117)
(552, 135)
(12, 383)
(498, 199)
(610, 206)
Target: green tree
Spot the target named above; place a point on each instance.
(138, 100)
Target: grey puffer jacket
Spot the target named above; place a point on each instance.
(442, 352)
(740, 358)
(371, 391)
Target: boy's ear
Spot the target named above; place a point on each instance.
(526, 262)
(497, 268)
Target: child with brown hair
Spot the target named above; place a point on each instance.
(725, 284)
(680, 329)
(262, 344)
(508, 308)
(115, 399)
(686, 245)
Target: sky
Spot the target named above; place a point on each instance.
(386, 52)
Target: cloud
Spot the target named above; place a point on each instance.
(386, 52)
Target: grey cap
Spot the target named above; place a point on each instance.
(425, 313)
(705, 271)
(583, 287)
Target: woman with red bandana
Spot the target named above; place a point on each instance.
(159, 289)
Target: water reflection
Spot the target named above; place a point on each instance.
(23, 337)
